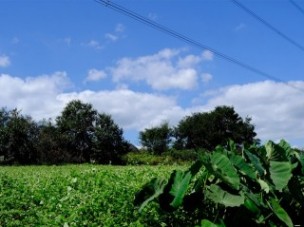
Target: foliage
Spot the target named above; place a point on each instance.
(209, 129)
(156, 139)
(18, 136)
(50, 146)
(108, 142)
(260, 185)
(76, 125)
(80, 134)
(146, 158)
(76, 195)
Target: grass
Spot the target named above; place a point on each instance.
(76, 195)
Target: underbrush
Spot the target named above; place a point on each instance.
(171, 157)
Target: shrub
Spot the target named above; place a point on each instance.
(262, 185)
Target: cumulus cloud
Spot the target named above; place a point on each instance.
(164, 70)
(277, 109)
(36, 96)
(131, 110)
(207, 55)
(45, 96)
(4, 61)
(95, 75)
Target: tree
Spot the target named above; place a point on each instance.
(209, 129)
(89, 135)
(156, 139)
(76, 126)
(18, 136)
(50, 145)
(108, 141)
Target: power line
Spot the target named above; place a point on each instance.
(268, 25)
(297, 6)
(188, 40)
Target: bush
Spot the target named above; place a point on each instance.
(261, 186)
(145, 158)
(184, 155)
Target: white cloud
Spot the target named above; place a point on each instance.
(94, 44)
(131, 110)
(111, 37)
(95, 75)
(4, 61)
(36, 96)
(45, 97)
(164, 70)
(206, 77)
(276, 108)
(116, 34)
(207, 55)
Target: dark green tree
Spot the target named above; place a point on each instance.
(209, 129)
(76, 126)
(156, 139)
(108, 141)
(86, 135)
(51, 144)
(4, 135)
(18, 136)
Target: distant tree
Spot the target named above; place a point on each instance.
(4, 135)
(76, 126)
(207, 130)
(87, 135)
(18, 136)
(156, 139)
(108, 141)
(51, 145)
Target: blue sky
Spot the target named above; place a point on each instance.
(53, 51)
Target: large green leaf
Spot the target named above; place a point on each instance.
(280, 173)
(207, 223)
(149, 192)
(256, 162)
(218, 195)
(264, 186)
(280, 212)
(276, 152)
(244, 168)
(179, 187)
(224, 170)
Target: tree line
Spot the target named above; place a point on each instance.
(80, 134)
(203, 130)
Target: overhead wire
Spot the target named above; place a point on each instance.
(166, 30)
(268, 25)
(297, 6)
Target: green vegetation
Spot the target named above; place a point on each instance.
(76, 195)
(203, 130)
(256, 186)
(79, 135)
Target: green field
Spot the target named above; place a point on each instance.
(76, 195)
